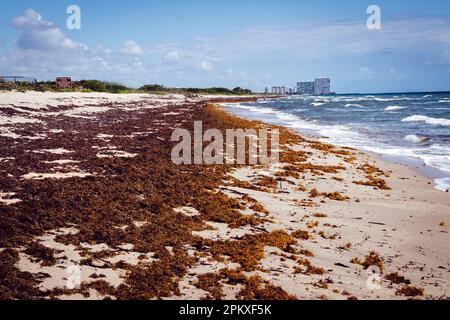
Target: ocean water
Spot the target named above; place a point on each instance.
(401, 126)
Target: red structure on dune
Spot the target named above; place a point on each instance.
(64, 82)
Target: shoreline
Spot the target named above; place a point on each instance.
(419, 184)
(416, 164)
(139, 227)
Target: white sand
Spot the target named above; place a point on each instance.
(407, 226)
(56, 175)
(82, 105)
(59, 151)
(116, 153)
(70, 272)
(7, 198)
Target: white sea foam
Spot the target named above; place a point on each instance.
(385, 100)
(443, 184)
(317, 104)
(394, 99)
(416, 138)
(252, 109)
(353, 105)
(394, 108)
(428, 120)
(286, 116)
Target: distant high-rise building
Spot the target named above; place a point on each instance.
(306, 87)
(322, 86)
(279, 90)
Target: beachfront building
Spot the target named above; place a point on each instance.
(322, 86)
(305, 87)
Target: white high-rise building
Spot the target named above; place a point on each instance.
(306, 87)
(279, 90)
(322, 86)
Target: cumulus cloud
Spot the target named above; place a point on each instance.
(206, 66)
(43, 51)
(132, 48)
(41, 35)
(173, 56)
(30, 20)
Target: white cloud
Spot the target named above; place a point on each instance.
(132, 48)
(173, 56)
(206, 66)
(327, 40)
(41, 35)
(30, 20)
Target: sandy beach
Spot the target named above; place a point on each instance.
(92, 208)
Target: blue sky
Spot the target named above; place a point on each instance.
(245, 43)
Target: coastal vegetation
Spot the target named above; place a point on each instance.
(155, 88)
(114, 87)
(76, 86)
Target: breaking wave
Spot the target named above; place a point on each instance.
(394, 108)
(428, 120)
(416, 138)
(353, 105)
